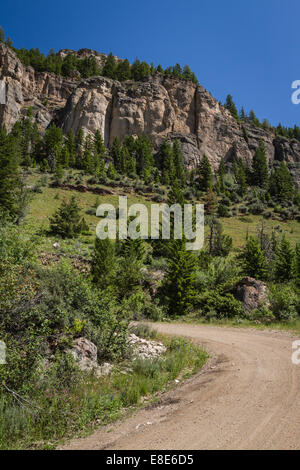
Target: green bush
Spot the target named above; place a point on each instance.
(223, 211)
(219, 306)
(283, 302)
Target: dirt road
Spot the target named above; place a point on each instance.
(246, 397)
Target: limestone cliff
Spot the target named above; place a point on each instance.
(161, 107)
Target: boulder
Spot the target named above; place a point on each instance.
(252, 293)
(85, 354)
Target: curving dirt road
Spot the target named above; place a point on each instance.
(246, 397)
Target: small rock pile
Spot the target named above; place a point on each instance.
(145, 349)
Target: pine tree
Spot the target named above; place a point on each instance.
(2, 34)
(123, 71)
(99, 147)
(205, 174)
(80, 150)
(103, 268)
(240, 176)
(253, 118)
(219, 244)
(71, 144)
(65, 157)
(67, 221)
(142, 149)
(129, 271)
(110, 67)
(242, 114)
(284, 261)
(210, 202)
(221, 175)
(231, 107)
(178, 164)
(253, 259)
(116, 153)
(179, 284)
(281, 184)
(260, 167)
(187, 73)
(167, 163)
(53, 142)
(10, 182)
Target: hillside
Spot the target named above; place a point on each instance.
(160, 107)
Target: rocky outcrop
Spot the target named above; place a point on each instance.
(45, 92)
(160, 107)
(252, 293)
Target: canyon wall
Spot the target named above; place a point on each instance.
(160, 107)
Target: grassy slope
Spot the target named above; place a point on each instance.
(44, 205)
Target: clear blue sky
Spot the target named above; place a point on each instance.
(244, 47)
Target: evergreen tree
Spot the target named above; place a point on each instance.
(67, 221)
(260, 167)
(71, 145)
(284, 261)
(253, 259)
(129, 271)
(221, 175)
(253, 118)
(143, 154)
(53, 142)
(281, 184)
(2, 34)
(103, 268)
(116, 153)
(110, 67)
(240, 176)
(219, 244)
(99, 147)
(179, 284)
(242, 114)
(231, 107)
(10, 182)
(205, 174)
(210, 202)
(123, 71)
(187, 73)
(178, 164)
(80, 164)
(167, 163)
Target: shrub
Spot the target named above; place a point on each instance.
(283, 302)
(262, 314)
(220, 306)
(256, 208)
(223, 211)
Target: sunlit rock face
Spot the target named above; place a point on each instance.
(160, 107)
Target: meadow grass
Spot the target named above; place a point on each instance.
(59, 414)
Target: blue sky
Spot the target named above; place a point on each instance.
(245, 48)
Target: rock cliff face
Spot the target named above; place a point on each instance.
(23, 87)
(161, 107)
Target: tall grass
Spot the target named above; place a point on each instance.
(55, 414)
